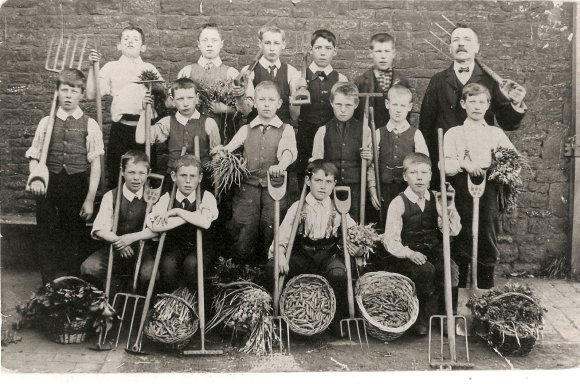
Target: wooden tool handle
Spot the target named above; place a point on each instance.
(376, 161)
(48, 131)
(497, 78)
(116, 214)
(199, 250)
(363, 166)
(475, 238)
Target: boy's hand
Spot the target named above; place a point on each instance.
(473, 169)
(161, 219)
(217, 107)
(366, 154)
(238, 90)
(125, 240)
(353, 250)
(375, 198)
(301, 83)
(450, 200)
(37, 188)
(283, 266)
(513, 91)
(94, 56)
(126, 253)
(218, 150)
(418, 258)
(148, 99)
(87, 210)
(276, 170)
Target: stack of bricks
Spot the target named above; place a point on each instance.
(525, 41)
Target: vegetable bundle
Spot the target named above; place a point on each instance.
(246, 306)
(219, 91)
(361, 240)
(506, 166)
(227, 169)
(388, 308)
(228, 271)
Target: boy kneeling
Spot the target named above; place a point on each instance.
(413, 239)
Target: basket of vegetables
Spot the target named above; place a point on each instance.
(309, 304)
(510, 318)
(388, 303)
(173, 320)
(66, 309)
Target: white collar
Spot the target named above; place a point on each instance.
(63, 115)
(267, 63)
(130, 195)
(183, 120)
(400, 128)
(179, 197)
(468, 123)
(311, 200)
(275, 122)
(457, 65)
(413, 196)
(315, 68)
(217, 62)
(125, 59)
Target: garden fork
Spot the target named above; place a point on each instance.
(277, 193)
(342, 203)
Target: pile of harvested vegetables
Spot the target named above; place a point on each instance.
(506, 167)
(247, 307)
(361, 240)
(512, 318)
(227, 169)
(228, 271)
(308, 303)
(388, 308)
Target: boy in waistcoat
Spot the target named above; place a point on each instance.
(135, 168)
(269, 147)
(73, 162)
(342, 142)
(179, 258)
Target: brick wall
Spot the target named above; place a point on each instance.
(526, 41)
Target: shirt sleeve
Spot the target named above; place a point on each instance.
(287, 143)
(454, 222)
(502, 139)
(105, 79)
(160, 130)
(104, 219)
(208, 206)
(371, 179)
(212, 130)
(318, 144)
(238, 140)
(95, 146)
(157, 209)
(452, 165)
(342, 77)
(185, 72)
(284, 232)
(393, 227)
(34, 152)
(420, 143)
(293, 77)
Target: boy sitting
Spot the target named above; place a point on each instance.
(73, 162)
(116, 78)
(179, 258)
(341, 142)
(316, 245)
(413, 239)
(269, 147)
(395, 140)
(181, 128)
(134, 168)
(468, 152)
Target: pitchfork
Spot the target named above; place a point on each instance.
(53, 58)
(277, 193)
(343, 206)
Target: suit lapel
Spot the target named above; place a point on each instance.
(450, 77)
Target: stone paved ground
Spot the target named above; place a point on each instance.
(559, 349)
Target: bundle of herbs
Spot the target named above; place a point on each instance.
(228, 271)
(227, 169)
(506, 167)
(210, 92)
(512, 315)
(361, 242)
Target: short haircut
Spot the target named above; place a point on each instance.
(473, 89)
(183, 83)
(131, 27)
(187, 161)
(344, 87)
(266, 84)
(327, 167)
(71, 77)
(325, 34)
(463, 26)
(273, 29)
(400, 89)
(209, 26)
(415, 158)
(381, 38)
(134, 156)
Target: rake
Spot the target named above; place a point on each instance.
(342, 203)
(55, 62)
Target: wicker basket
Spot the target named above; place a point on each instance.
(64, 331)
(376, 285)
(157, 332)
(309, 304)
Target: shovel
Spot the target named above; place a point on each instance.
(200, 281)
(343, 206)
(151, 194)
(464, 294)
(277, 193)
(302, 96)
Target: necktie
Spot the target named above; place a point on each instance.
(320, 74)
(385, 79)
(463, 69)
(208, 66)
(184, 204)
(272, 71)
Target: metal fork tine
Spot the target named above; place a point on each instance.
(59, 46)
(437, 49)
(46, 63)
(438, 38)
(449, 21)
(74, 50)
(65, 53)
(82, 53)
(443, 29)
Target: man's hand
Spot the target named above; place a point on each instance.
(283, 266)
(418, 258)
(366, 154)
(37, 188)
(87, 210)
(94, 56)
(513, 91)
(473, 169)
(375, 200)
(276, 170)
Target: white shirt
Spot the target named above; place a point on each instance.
(94, 140)
(293, 74)
(463, 76)
(104, 219)
(117, 79)
(207, 208)
(327, 70)
(475, 140)
(318, 144)
(394, 225)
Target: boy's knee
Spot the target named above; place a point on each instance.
(336, 275)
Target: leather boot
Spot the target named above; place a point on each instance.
(420, 327)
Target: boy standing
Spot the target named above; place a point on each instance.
(398, 139)
(117, 78)
(341, 141)
(321, 77)
(73, 162)
(134, 168)
(316, 245)
(179, 260)
(413, 238)
(468, 153)
(269, 147)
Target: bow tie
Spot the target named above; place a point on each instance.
(320, 74)
(463, 69)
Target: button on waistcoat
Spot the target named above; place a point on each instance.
(68, 146)
(419, 228)
(393, 149)
(319, 111)
(281, 80)
(261, 151)
(180, 135)
(344, 150)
